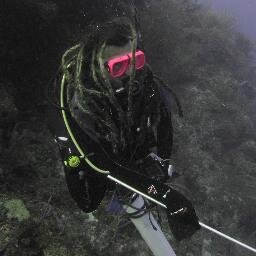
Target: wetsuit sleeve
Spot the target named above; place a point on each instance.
(86, 187)
(164, 133)
(181, 214)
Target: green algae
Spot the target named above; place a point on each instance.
(16, 209)
(56, 249)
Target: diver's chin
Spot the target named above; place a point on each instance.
(116, 84)
(121, 85)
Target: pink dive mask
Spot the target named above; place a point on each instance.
(118, 66)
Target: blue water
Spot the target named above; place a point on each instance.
(244, 12)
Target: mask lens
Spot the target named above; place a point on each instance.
(118, 66)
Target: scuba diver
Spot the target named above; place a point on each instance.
(115, 124)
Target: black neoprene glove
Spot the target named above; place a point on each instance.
(154, 167)
(181, 215)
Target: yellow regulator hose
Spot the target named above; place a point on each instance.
(95, 168)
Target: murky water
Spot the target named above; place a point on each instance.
(243, 10)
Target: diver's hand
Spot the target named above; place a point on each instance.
(154, 167)
(181, 215)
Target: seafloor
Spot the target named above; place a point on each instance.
(201, 57)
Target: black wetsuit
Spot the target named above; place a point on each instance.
(89, 189)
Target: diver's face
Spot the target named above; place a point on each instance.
(110, 52)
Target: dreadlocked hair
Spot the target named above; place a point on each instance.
(86, 77)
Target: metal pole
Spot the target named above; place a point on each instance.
(227, 237)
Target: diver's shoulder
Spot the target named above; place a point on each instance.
(166, 96)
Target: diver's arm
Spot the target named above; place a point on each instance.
(86, 187)
(82, 181)
(160, 154)
(164, 135)
(180, 212)
(165, 129)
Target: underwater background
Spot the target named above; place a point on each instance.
(242, 11)
(202, 56)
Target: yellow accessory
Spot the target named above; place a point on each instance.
(95, 168)
(73, 161)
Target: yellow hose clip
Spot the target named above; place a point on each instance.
(73, 161)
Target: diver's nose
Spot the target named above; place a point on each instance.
(125, 79)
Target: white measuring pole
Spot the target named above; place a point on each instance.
(227, 237)
(154, 238)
